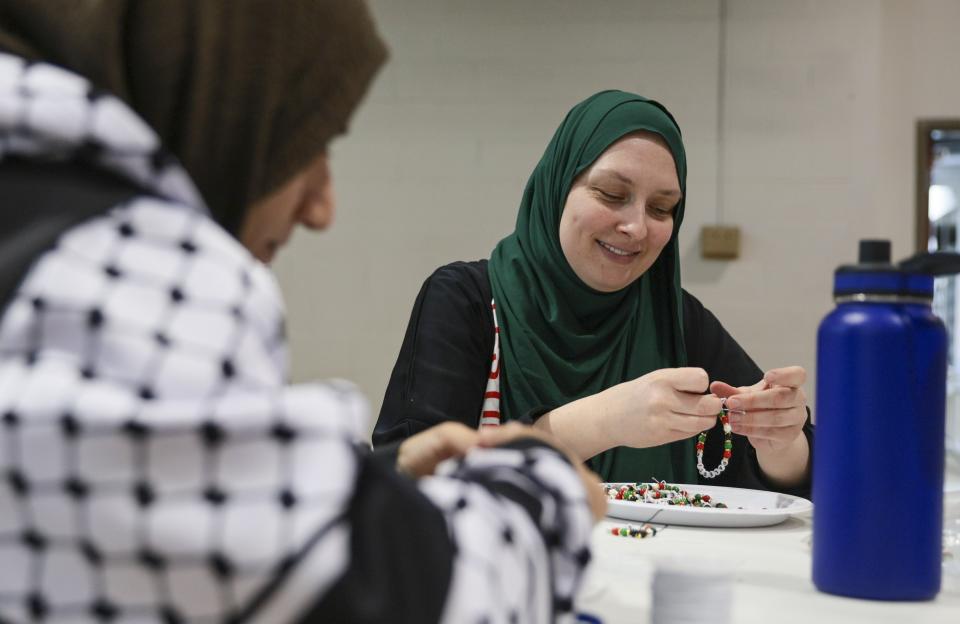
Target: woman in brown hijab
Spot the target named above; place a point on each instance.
(154, 464)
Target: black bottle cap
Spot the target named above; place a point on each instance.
(874, 252)
(873, 274)
(873, 257)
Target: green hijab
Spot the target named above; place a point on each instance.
(562, 340)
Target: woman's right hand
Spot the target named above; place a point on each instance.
(657, 408)
(660, 407)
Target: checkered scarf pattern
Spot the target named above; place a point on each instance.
(155, 466)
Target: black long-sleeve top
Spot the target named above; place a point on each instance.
(444, 361)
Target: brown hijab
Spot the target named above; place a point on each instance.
(244, 92)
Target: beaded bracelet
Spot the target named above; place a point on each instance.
(727, 444)
(631, 531)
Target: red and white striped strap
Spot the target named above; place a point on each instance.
(490, 414)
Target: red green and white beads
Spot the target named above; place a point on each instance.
(631, 531)
(660, 493)
(727, 445)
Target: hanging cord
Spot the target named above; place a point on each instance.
(721, 98)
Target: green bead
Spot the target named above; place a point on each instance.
(624, 532)
(727, 445)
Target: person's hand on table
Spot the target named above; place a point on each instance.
(775, 412)
(504, 434)
(419, 454)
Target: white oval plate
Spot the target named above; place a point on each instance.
(745, 508)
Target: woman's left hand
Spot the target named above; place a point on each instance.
(775, 408)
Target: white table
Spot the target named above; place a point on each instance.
(770, 567)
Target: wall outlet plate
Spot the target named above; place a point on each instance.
(720, 242)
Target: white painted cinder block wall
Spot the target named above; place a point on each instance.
(821, 98)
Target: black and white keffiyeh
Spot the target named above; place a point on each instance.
(154, 466)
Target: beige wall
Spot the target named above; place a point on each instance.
(821, 100)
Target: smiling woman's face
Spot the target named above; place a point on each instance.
(619, 213)
(306, 199)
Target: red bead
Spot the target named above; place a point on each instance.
(615, 531)
(705, 498)
(699, 446)
(656, 494)
(727, 454)
(619, 495)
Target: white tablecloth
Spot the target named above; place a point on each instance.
(770, 569)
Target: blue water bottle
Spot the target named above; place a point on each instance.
(879, 456)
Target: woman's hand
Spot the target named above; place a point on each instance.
(776, 409)
(419, 454)
(498, 436)
(659, 407)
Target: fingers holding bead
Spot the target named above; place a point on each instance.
(793, 417)
(778, 397)
(685, 403)
(724, 390)
(790, 376)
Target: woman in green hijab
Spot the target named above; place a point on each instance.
(590, 334)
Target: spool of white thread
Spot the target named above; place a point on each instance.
(690, 593)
